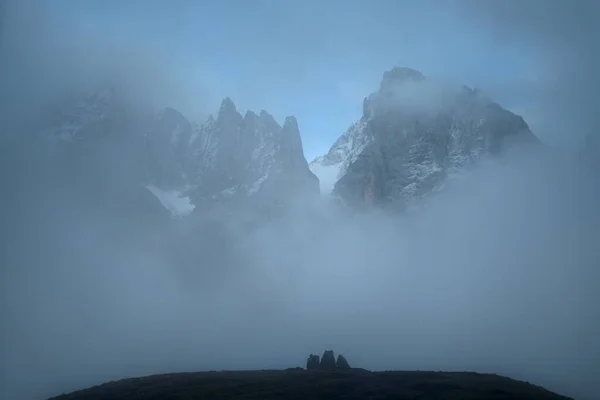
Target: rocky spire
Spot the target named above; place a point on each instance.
(291, 135)
(341, 362)
(227, 107)
(313, 362)
(252, 155)
(328, 360)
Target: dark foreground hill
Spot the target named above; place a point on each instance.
(316, 384)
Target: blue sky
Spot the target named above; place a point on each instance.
(316, 59)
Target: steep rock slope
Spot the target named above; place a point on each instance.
(249, 157)
(413, 134)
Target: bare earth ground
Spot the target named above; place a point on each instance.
(314, 385)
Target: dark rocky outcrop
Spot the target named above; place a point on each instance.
(312, 362)
(328, 360)
(341, 362)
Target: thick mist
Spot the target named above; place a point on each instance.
(496, 273)
(47, 54)
(558, 95)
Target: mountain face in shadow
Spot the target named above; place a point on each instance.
(415, 133)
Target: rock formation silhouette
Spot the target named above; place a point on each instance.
(312, 362)
(341, 362)
(327, 361)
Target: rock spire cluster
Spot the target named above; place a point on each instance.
(327, 361)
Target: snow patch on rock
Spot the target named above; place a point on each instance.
(173, 200)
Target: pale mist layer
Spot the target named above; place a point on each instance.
(496, 274)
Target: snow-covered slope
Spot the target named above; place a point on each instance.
(173, 200)
(414, 133)
(332, 166)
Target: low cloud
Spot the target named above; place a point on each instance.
(496, 274)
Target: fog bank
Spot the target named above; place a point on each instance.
(498, 273)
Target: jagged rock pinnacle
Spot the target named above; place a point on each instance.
(250, 115)
(313, 362)
(328, 360)
(227, 106)
(342, 363)
(290, 123)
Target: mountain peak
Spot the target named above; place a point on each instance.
(250, 115)
(227, 106)
(414, 133)
(255, 154)
(400, 75)
(268, 119)
(290, 123)
(292, 137)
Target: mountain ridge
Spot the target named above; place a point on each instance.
(414, 133)
(227, 157)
